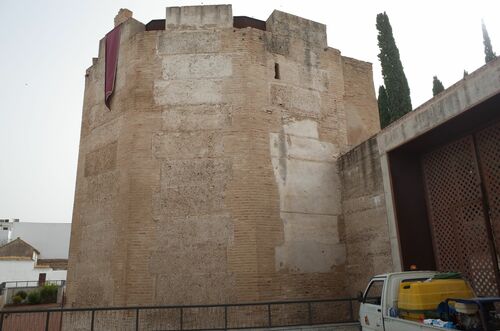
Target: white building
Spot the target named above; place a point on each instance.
(33, 251)
(20, 262)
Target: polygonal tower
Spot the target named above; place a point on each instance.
(212, 178)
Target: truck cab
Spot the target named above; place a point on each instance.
(379, 302)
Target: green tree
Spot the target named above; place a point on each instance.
(396, 85)
(488, 49)
(437, 86)
(383, 107)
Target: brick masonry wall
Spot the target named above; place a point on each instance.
(211, 181)
(364, 215)
(361, 107)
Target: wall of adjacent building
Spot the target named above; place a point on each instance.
(26, 270)
(51, 239)
(5, 231)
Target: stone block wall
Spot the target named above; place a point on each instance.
(213, 179)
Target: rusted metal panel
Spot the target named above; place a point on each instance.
(461, 237)
(488, 149)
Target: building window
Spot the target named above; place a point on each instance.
(277, 71)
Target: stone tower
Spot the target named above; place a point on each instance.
(212, 178)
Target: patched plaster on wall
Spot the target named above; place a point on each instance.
(308, 184)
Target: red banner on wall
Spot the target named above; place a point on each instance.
(111, 63)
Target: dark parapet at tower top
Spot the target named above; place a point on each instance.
(241, 22)
(155, 25)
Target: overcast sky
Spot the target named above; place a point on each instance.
(47, 45)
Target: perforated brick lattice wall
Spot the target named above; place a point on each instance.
(456, 214)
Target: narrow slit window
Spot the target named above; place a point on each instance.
(276, 71)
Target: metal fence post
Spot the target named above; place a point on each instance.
(269, 322)
(351, 310)
(181, 319)
(309, 308)
(92, 321)
(60, 319)
(225, 317)
(47, 321)
(136, 319)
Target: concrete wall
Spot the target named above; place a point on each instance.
(458, 98)
(364, 215)
(210, 180)
(474, 89)
(371, 234)
(51, 239)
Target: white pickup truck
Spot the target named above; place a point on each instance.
(381, 298)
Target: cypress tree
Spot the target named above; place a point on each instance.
(383, 107)
(488, 49)
(437, 86)
(396, 85)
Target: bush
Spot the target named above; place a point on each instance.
(17, 299)
(48, 293)
(34, 298)
(22, 294)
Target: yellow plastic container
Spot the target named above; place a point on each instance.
(419, 296)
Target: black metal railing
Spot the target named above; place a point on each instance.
(31, 283)
(177, 317)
